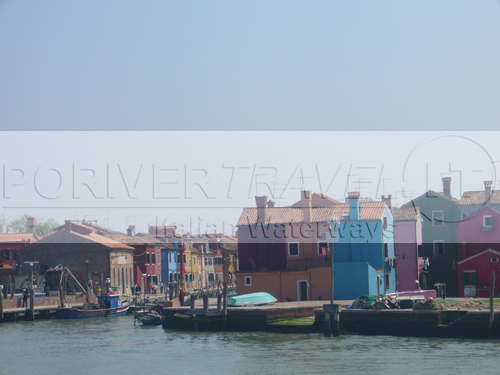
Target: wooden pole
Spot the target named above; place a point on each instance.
(12, 290)
(225, 301)
(32, 298)
(492, 294)
(205, 303)
(1, 309)
(191, 303)
(219, 302)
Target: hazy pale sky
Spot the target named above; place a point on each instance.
(249, 65)
(198, 180)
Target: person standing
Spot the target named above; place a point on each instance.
(181, 297)
(26, 294)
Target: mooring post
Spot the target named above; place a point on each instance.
(32, 301)
(219, 302)
(205, 303)
(225, 301)
(327, 330)
(492, 294)
(1, 308)
(191, 303)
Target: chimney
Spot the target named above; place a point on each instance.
(446, 186)
(67, 225)
(487, 191)
(131, 230)
(388, 201)
(31, 225)
(261, 208)
(271, 204)
(353, 205)
(306, 203)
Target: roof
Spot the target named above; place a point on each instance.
(478, 254)
(66, 236)
(18, 237)
(319, 200)
(471, 198)
(285, 215)
(430, 193)
(163, 230)
(149, 237)
(405, 214)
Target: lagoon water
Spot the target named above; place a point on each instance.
(115, 346)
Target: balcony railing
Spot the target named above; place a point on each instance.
(304, 264)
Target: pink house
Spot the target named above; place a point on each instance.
(478, 232)
(407, 239)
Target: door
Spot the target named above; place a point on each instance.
(96, 282)
(302, 290)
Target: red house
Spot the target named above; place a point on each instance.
(10, 243)
(474, 274)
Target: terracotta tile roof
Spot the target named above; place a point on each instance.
(470, 198)
(149, 238)
(284, 215)
(430, 193)
(319, 200)
(65, 236)
(18, 237)
(168, 231)
(405, 214)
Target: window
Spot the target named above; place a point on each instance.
(494, 259)
(437, 218)
(170, 257)
(153, 256)
(178, 258)
(148, 258)
(438, 248)
(194, 261)
(321, 246)
(206, 261)
(184, 258)
(387, 284)
(487, 221)
(463, 215)
(189, 262)
(293, 249)
(385, 222)
(386, 250)
(248, 280)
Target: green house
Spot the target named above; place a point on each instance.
(440, 213)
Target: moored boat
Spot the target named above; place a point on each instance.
(252, 299)
(107, 304)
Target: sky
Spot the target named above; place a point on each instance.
(181, 112)
(249, 65)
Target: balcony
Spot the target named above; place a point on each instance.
(306, 263)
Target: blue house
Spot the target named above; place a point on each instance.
(169, 262)
(364, 254)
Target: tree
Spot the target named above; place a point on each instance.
(47, 227)
(4, 225)
(20, 225)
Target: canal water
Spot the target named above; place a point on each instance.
(115, 346)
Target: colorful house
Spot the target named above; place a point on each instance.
(474, 274)
(282, 249)
(75, 243)
(440, 213)
(407, 240)
(10, 243)
(473, 201)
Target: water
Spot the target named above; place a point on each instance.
(114, 346)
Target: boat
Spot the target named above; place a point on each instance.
(252, 299)
(153, 317)
(107, 304)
